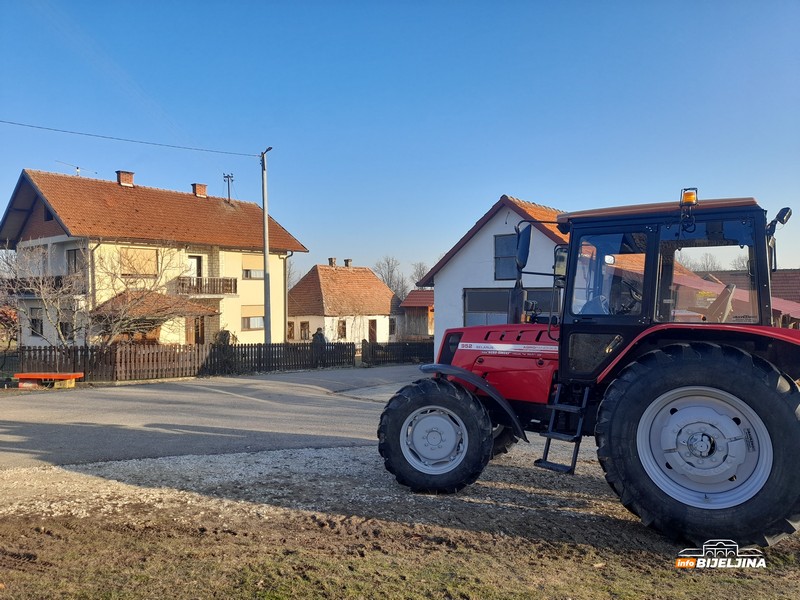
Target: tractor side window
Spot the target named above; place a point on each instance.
(706, 274)
(609, 274)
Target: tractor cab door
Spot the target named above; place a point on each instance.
(608, 297)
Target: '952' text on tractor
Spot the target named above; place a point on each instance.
(687, 382)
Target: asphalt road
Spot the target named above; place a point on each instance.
(218, 415)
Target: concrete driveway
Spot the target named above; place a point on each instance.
(218, 415)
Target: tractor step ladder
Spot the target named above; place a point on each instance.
(570, 437)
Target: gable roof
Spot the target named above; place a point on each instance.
(525, 210)
(418, 299)
(341, 291)
(101, 209)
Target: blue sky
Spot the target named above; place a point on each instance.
(396, 125)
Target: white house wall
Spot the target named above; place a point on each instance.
(473, 267)
(357, 328)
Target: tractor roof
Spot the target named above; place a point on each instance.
(644, 210)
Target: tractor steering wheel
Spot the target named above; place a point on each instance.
(636, 298)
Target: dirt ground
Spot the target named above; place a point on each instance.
(332, 523)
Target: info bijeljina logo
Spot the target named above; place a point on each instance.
(720, 554)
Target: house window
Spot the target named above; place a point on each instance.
(37, 323)
(252, 266)
(392, 326)
(505, 257)
(305, 330)
(250, 323)
(252, 317)
(75, 261)
(490, 306)
(67, 331)
(138, 262)
(290, 330)
(253, 274)
(342, 329)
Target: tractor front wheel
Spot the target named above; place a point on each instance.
(435, 436)
(701, 442)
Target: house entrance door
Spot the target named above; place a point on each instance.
(195, 330)
(373, 331)
(195, 266)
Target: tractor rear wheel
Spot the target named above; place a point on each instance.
(701, 442)
(435, 436)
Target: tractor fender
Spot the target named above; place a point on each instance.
(791, 336)
(470, 378)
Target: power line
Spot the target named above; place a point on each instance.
(119, 139)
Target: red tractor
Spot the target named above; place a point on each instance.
(667, 347)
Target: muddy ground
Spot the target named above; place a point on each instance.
(332, 523)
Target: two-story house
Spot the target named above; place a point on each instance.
(171, 266)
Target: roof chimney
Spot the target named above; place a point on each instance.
(125, 178)
(331, 262)
(199, 190)
(348, 262)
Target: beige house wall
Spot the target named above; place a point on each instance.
(105, 282)
(251, 293)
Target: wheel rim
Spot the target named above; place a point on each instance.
(704, 447)
(434, 440)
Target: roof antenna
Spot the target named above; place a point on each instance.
(76, 167)
(228, 177)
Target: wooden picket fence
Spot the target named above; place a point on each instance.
(397, 352)
(130, 362)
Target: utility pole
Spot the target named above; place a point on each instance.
(228, 177)
(267, 303)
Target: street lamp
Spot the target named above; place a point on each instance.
(267, 320)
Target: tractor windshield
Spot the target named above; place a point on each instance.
(706, 273)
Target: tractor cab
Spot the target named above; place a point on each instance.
(659, 266)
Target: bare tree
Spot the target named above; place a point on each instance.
(292, 276)
(388, 270)
(134, 293)
(740, 263)
(50, 305)
(104, 294)
(704, 263)
(418, 271)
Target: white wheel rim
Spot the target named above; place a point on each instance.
(434, 440)
(704, 447)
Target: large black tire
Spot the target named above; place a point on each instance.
(503, 438)
(701, 442)
(435, 436)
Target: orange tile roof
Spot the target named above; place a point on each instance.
(146, 304)
(100, 209)
(418, 298)
(341, 291)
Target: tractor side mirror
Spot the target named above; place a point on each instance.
(782, 218)
(523, 246)
(560, 260)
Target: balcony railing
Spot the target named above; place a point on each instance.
(212, 286)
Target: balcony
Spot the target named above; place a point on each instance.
(206, 286)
